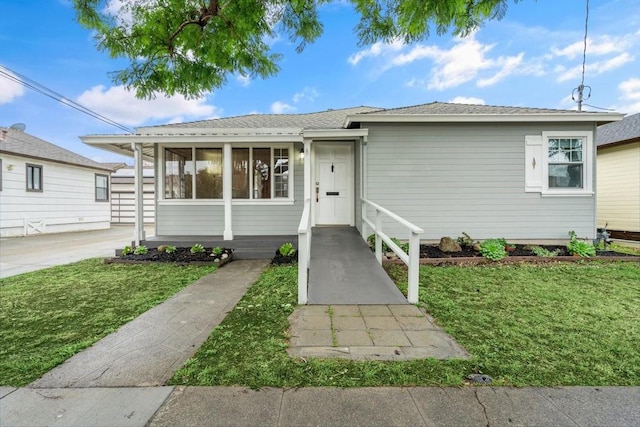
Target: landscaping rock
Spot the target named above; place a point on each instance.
(447, 244)
(479, 379)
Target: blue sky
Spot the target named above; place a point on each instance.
(532, 57)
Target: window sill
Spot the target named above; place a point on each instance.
(263, 202)
(567, 194)
(184, 202)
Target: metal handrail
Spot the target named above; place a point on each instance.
(412, 259)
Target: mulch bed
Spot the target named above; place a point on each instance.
(181, 256)
(280, 259)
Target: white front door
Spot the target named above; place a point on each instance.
(333, 184)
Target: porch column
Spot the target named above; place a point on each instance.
(363, 185)
(227, 190)
(138, 180)
(307, 169)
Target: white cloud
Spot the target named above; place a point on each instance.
(244, 81)
(463, 62)
(593, 68)
(602, 45)
(509, 65)
(467, 100)
(308, 94)
(280, 107)
(630, 96)
(9, 89)
(377, 49)
(118, 104)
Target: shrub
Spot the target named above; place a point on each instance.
(287, 249)
(493, 249)
(545, 253)
(217, 250)
(170, 249)
(140, 250)
(579, 247)
(371, 240)
(197, 249)
(127, 250)
(465, 240)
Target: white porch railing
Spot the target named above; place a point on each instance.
(412, 259)
(304, 251)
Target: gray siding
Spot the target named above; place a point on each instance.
(189, 220)
(469, 177)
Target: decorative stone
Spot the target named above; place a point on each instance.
(447, 244)
(224, 256)
(163, 248)
(479, 379)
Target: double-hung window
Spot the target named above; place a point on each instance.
(102, 188)
(559, 163)
(34, 177)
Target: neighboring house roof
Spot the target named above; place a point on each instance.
(20, 143)
(129, 172)
(626, 130)
(114, 166)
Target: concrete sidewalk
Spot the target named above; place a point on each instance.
(388, 406)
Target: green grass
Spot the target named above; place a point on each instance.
(525, 325)
(630, 250)
(49, 315)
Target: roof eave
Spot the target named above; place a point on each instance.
(599, 118)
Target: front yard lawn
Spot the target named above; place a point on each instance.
(47, 316)
(525, 325)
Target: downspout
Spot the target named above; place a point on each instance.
(138, 194)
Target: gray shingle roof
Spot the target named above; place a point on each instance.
(335, 119)
(330, 119)
(21, 143)
(625, 130)
(465, 109)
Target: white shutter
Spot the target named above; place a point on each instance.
(533, 163)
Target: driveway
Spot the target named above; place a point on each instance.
(23, 254)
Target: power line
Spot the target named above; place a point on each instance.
(580, 89)
(50, 93)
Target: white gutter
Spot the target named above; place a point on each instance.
(483, 118)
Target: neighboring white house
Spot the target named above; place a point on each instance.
(47, 189)
(123, 195)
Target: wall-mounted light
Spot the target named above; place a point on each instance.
(301, 153)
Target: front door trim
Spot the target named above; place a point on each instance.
(350, 184)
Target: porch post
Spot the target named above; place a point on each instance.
(307, 168)
(138, 180)
(227, 190)
(363, 185)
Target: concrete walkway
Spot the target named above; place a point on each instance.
(369, 332)
(343, 270)
(327, 406)
(149, 349)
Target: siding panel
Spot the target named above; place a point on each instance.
(619, 187)
(468, 178)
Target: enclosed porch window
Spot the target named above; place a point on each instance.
(258, 173)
